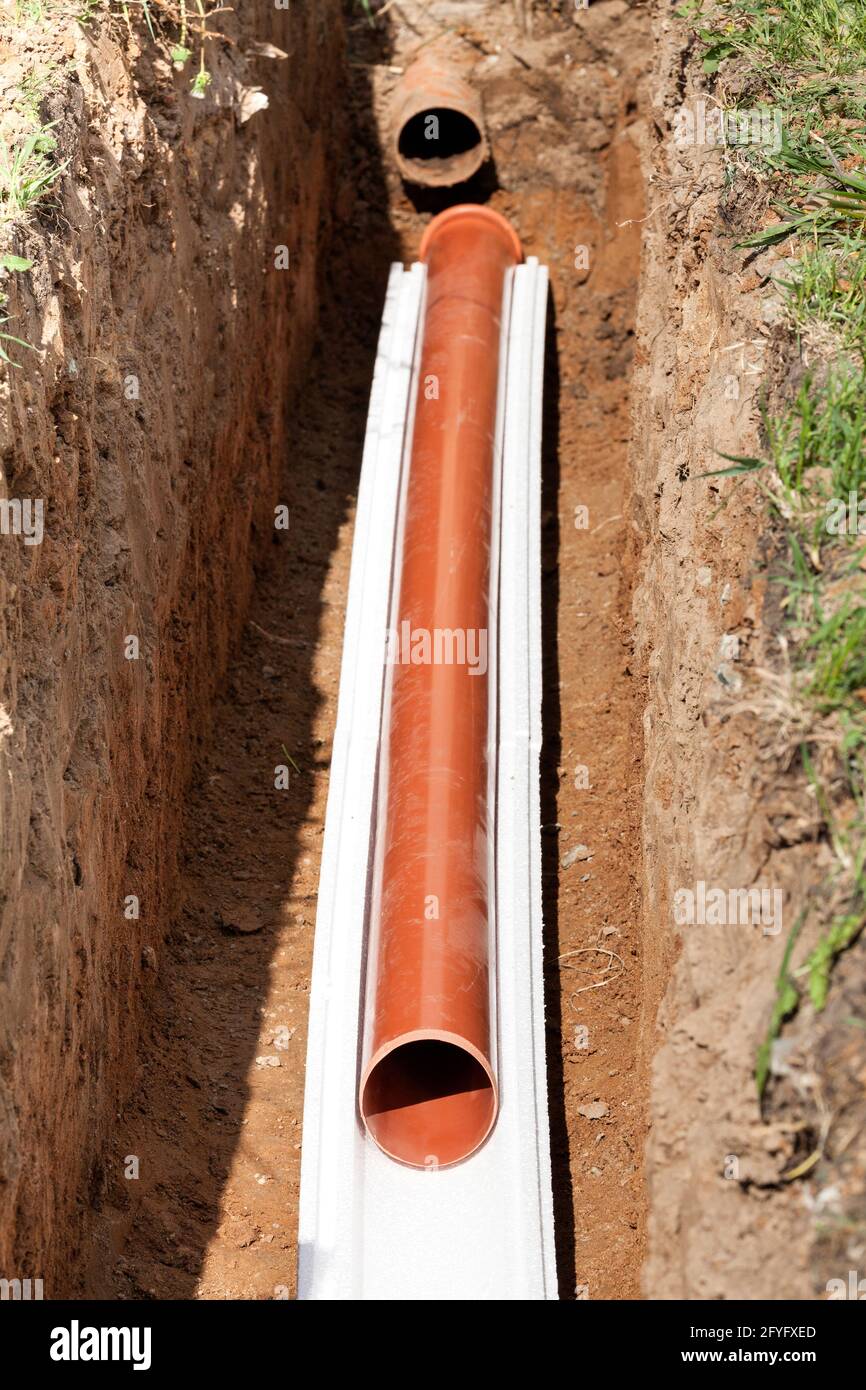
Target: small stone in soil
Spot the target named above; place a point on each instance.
(577, 852)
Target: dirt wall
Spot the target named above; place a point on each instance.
(151, 424)
(717, 810)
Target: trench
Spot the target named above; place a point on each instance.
(215, 1115)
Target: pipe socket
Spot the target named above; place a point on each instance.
(438, 137)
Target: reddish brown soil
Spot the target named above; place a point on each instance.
(598, 746)
(218, 1132)
(145, 410)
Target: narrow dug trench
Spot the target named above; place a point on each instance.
(215, 1120)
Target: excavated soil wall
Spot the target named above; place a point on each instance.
(172, 302)
(718, 807)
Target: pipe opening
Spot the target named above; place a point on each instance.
(429, 1103)
(440, 144)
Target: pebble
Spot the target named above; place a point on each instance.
(596, 1110)
(577, 852)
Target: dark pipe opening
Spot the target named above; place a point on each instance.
(429, 1103)
(441, 140)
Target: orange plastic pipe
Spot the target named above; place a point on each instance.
(428, 1093)
(437, 123)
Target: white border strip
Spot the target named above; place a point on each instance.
(371, 1228)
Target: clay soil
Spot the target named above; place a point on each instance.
(215, 1116)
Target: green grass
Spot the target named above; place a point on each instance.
(178, 27)
(807, 59)
(786, 1003)
(29, 168)
(830, 199)
(27, 171)
(801, 57)
(32, 91)
(31, 11)
(10, 264)
(817, 453)
(849, 846)
(817, 450)
(827, 290)
(814, 38)
(7, 338)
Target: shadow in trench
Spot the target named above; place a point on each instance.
(216, 1175)
(563, 1201)
(479, 189)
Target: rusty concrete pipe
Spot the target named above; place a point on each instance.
(437, 125)
(428, 1093)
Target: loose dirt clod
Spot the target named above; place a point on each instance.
(597, 1110)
